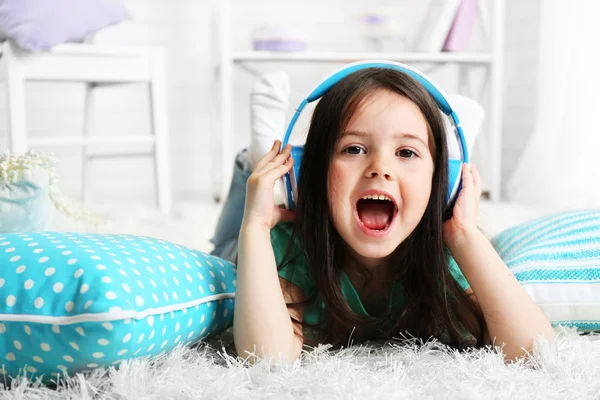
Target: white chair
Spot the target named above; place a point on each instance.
(94, 65)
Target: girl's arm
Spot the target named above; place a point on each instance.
(511, 316)
(261, 322)
(261, 317)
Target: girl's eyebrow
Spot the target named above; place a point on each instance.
(403, 135)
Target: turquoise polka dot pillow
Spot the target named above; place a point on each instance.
(70, 302)
(557, 260)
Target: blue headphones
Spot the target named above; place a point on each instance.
(454, 167)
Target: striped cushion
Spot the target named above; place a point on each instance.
(557, 260)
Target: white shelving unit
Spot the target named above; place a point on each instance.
(492, 61)
(254, 56)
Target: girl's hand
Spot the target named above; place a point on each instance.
(260, 208)
(466, 208)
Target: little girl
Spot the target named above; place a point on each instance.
(368, 253)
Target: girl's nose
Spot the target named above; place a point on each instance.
(380, 166)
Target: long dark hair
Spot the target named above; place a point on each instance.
(435, 305)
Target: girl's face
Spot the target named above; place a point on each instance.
(380, 176)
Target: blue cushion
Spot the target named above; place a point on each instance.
(71, 302)
(557, 260)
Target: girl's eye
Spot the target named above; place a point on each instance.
(405, 153)
(354, 150)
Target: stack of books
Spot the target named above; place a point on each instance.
(447, 26)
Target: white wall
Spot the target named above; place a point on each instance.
(521, 58)
(182, 27)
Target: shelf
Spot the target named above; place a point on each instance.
(87, 141)
(491, 58)
(256, 56)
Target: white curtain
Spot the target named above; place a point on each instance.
(560, 167)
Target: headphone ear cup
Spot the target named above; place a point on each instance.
(290, 180)
(287, 191)
(454, 178)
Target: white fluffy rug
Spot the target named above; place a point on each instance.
(569, 367)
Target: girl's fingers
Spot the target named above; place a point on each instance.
(269, 156)
(281, 157)
(277, 172)
(467, 177)
(277, 160)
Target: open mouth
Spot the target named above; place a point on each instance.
(376, 212)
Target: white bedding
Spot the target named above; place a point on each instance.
(192, 223)
(494, 217)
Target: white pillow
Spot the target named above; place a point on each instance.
(471, 115)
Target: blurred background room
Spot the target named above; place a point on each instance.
(144, 103)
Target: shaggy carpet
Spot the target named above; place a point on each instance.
(567, 367)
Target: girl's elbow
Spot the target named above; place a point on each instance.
(253, 354)
(527, 347)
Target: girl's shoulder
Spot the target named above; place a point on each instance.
(281, 236)
(456, 272)
(291, 261)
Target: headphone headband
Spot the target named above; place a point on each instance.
(330, 81)
(340, 74)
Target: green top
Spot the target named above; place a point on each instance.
(299, 274)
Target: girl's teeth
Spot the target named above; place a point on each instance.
(377, 197)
